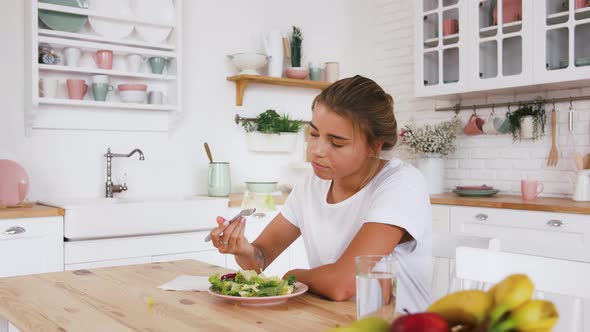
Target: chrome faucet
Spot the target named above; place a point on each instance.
(117, 188)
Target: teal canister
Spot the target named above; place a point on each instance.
(218, 180)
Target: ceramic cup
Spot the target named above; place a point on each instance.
(101, 79)
(158, 64)
(156, 97)
(450, 27)
(530, 189)
(218, 179)
(76, 88)
(489, 127)
(134, 62)
(474, 126)
(332, 72)
(100, 91)
(72, 56)
(527, 127)
(104, 59)
(581, 4)
(48, 87)
(315, 71)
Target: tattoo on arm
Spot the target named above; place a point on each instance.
(259, 258)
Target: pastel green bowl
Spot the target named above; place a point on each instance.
(261, 187)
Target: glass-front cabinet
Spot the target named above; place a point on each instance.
(562, 40)
(441, 40)
(501, 43)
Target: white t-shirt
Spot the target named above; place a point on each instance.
(398, 196)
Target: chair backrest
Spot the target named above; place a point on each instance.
(555, 276)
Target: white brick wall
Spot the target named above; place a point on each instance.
(491, 160)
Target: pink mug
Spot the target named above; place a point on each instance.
(474, 126)
(104, 59)
(77, 89)
(581, 4)
(530, 189)
(450, 27)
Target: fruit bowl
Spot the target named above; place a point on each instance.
(248, 62)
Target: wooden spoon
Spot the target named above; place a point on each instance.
(586, 161)
(208, 152)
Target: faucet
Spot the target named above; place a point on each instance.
(117, 188)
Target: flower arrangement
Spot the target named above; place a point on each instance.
(431, 139)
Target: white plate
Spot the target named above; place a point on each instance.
(262, 301)
(110, 28)
(160, 11)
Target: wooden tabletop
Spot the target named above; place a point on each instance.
(35, 211)
(118, 299)
(548, 204)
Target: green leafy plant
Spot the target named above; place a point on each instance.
(296, 39)
(270, 122)
(537, 111)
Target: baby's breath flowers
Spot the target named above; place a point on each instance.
(431, 139)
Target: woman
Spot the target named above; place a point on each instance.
(353, 204)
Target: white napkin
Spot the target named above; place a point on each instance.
(187, 283)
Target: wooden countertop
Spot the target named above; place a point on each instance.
(547, 204)
(36, 211)
(118, 299)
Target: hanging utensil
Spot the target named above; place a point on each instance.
(553, 154)
(208, 152)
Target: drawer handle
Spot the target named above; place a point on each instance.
(481, 217)
(14, 230)
(555, 223)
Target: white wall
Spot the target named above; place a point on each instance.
(491, 160)
(70, 163)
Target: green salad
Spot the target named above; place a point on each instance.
(251, 284)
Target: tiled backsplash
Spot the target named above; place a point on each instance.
(491, 160)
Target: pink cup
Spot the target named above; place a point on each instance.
(511, 12)
(104, 59)
(530, 189)
(450, 27)
(581, 4)
(474, 126)
(77, 89)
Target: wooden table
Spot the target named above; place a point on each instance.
(118, 299)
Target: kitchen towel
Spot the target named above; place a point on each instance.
(187, 283)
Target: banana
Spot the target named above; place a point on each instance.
(368, 324)
(533, 315)
(510, 293)
(467, 307)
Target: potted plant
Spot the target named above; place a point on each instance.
(271, 132)
(296, 71)
(430, 144)
(528, 121)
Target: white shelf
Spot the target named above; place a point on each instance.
(508, 28)
(582, 13)
(512, 27)
(103, 104)
(451, 39)
(93, 46)
(488, 31)
(84, 36)
(81, 11)
(84, 70)
(556, 18)
(431, 42)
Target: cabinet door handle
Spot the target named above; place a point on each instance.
(14, 230)
(481, 216)
(555, 223)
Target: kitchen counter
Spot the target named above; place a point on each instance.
(118, 299)
(235, 200)
(547, 204)
(36, 211)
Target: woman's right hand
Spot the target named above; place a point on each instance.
(230, 239)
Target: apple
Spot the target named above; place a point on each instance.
(421, 322)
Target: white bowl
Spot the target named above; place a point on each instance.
(132, 96)
(247, 63)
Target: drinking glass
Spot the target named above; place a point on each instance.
(375, 286)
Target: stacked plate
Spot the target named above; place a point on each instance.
(475, 191)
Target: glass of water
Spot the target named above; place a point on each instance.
(375, 286)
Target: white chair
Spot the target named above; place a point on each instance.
(566, 283)
(443, 253)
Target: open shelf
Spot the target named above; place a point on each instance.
(582, 13)
(96, 38)
(451, 39)
(242, 82)
(432, 42)
(87, 12)
(117, 73)
(103, 104)
(94, 46)
(557, 18)
(507, 28)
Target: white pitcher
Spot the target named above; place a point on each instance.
(273, 45)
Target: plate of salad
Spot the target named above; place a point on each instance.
(250, 288)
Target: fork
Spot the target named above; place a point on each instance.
(553, 155)
(243, 213)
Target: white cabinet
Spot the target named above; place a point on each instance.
(561, 41)
(441, 51)
(31, 245)
(207, 256)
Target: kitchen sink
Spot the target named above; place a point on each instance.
(96, 218)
